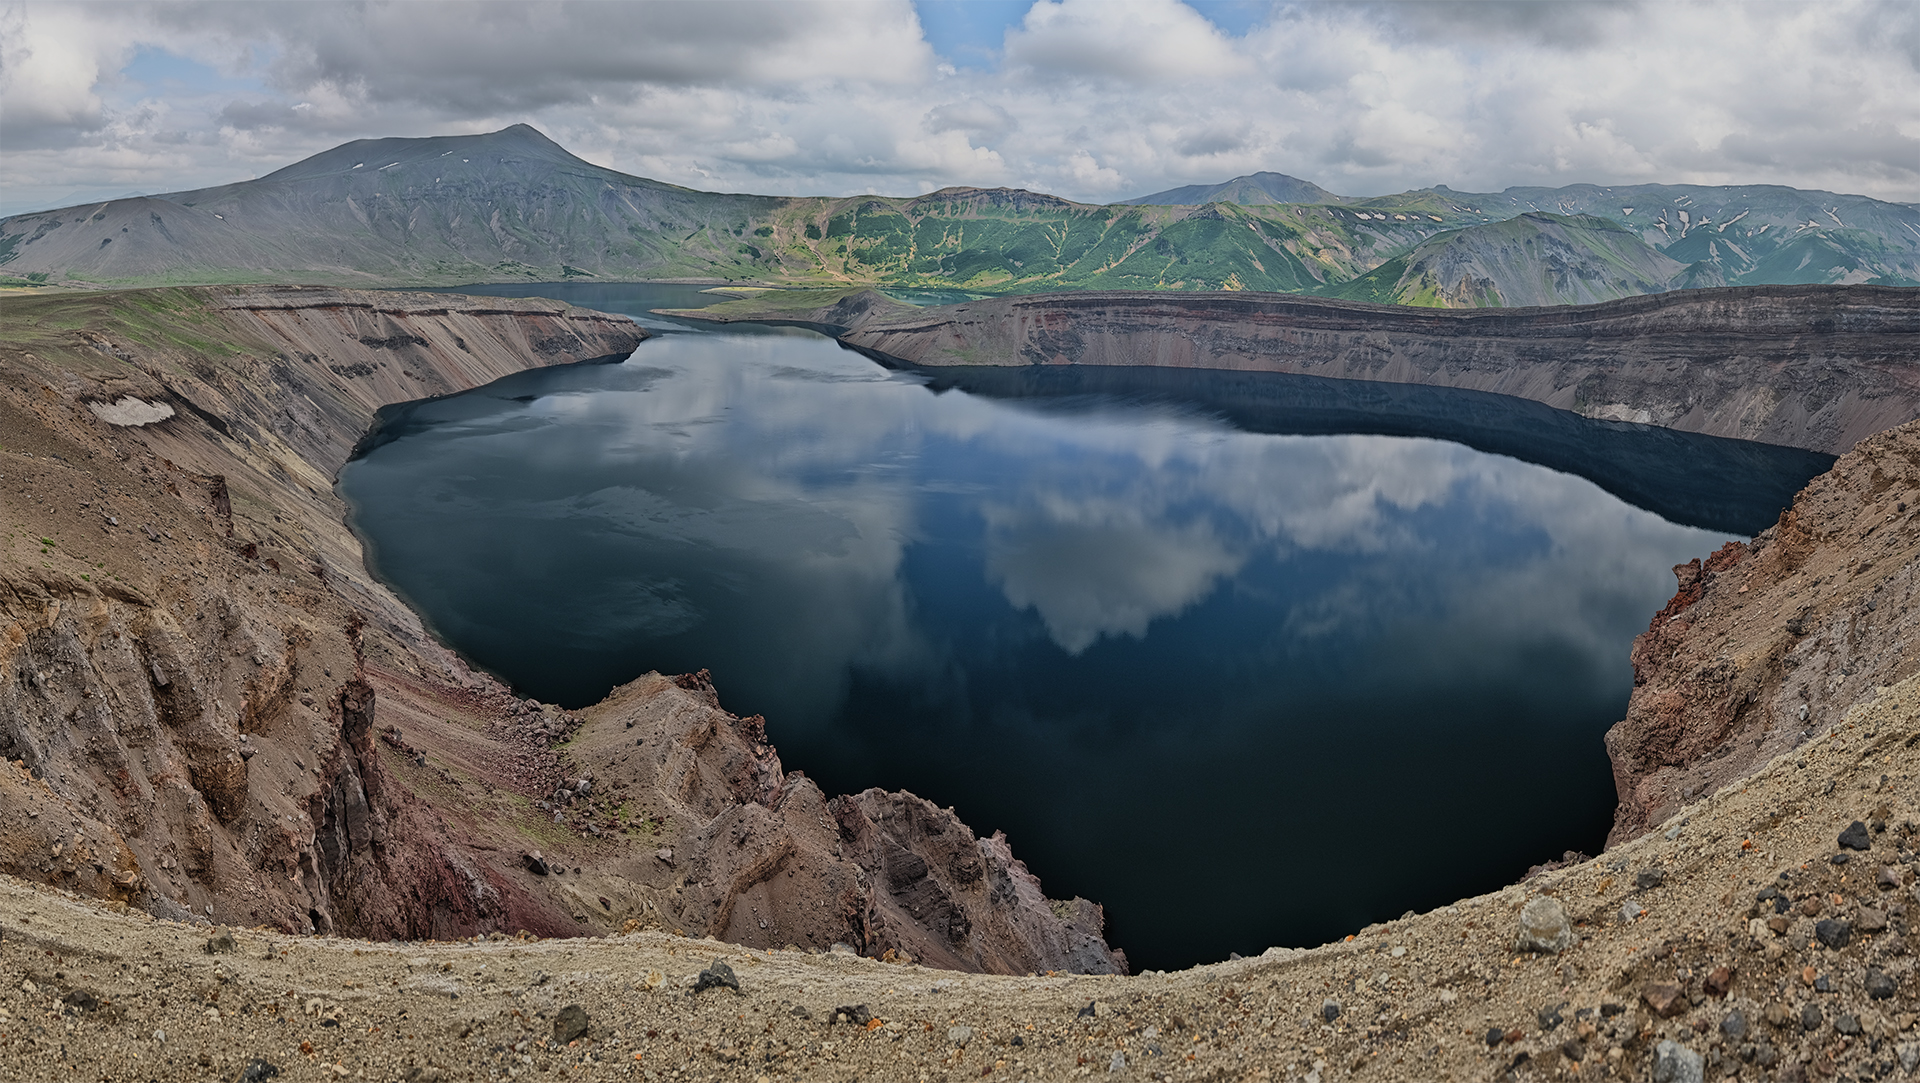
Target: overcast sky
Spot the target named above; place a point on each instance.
(1095, 100)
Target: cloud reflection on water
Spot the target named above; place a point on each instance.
(810, 468)
(1048, 614)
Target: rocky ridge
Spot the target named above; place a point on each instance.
(1769, 642)
(1815, 367)
(1731, 944)
(218, 713)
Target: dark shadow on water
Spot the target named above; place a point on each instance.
(1736, 486)
(1246, 684)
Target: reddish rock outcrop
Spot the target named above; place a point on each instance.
(691, 823)
(1769, 643)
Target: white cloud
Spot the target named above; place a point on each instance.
(1090, 100)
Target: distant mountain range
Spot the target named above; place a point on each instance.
(513, 205)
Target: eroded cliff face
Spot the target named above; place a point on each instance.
(184, 615)
(690, 822)
(1768, 644)
(1816, 367)
(214, 710)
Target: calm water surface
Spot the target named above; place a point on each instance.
(1243, 688)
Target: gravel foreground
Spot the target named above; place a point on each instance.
(1750, 937)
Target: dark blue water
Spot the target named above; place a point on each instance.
(1243, 688)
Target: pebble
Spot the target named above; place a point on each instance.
(1329, 1009)
(717, 976)
(1118, 1063)
(1734, 1026)
(257, 1071)
(1833, 933)
(535, 864)
(1718, 981)
(1665, 998)
(1675, 1063)
(959, 1035)
(1810, 1017)
(1848, 1024)
(857, 1014)
(1879, 986)
(1856, 837)
(1648, 879)
(1630, 910)
(569, 1024)
(1544, 926)
(1550, 1017)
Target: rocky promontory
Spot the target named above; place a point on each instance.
(1815, 367)
(214, 712)
(1768, 643)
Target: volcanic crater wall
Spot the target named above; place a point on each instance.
(1815, 367)
(209, 708)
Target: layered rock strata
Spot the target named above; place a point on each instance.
(1815, 367)
(215, 711)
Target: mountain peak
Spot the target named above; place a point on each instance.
(1252, 190)
(515, 141)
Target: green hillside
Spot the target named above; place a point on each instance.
(514, 206)
(1745, 234)
(1532, 259)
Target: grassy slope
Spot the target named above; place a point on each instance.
(512, 205)
(1533, 259)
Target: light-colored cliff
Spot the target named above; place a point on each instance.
(1816, 367)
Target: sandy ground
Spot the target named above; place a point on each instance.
(1705, 963)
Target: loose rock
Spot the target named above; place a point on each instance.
(1856, 837)
(717, 976)
(1675, 1063)
(1833, 933)
(1665, 998)
(570, 1024)
(1718, 981)
(1879, 986)
(1544, 926)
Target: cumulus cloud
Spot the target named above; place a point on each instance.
(1088, 99)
